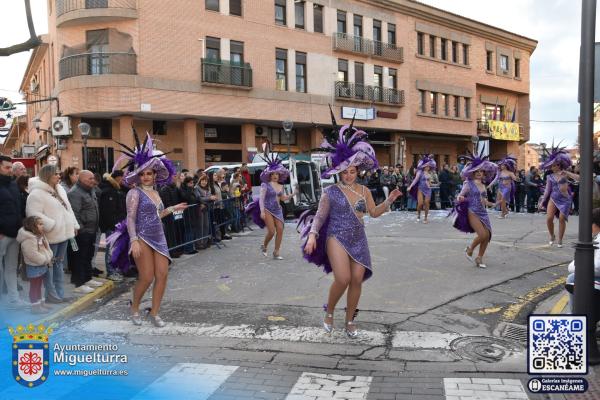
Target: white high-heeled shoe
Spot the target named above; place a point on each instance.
(327, 327)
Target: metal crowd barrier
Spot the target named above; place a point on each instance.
(203, 223)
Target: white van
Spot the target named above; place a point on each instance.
(304, 175)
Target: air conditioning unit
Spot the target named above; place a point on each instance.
(61, 126)
(260, 131)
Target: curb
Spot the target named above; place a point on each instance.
(79, 305)
(560, 305)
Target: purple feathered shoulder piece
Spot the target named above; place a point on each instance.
(556, 155)
(347, 147)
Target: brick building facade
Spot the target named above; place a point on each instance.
(214, 78)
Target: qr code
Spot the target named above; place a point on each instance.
(557, 344)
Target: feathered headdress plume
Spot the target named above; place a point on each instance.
(347, 146)
(479, 162)
(557, 155)
(274, 165)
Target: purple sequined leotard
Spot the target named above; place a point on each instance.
(337, 219)
(505, 186)
(143, 221)
(422, 185)
(561, 200)
(474, 203)
(269, 201)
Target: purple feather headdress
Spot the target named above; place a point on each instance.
(479, 162)
(141, 157)
(510, 162)
(274, 165)
(556, 155)
(426, 161)
(347, 147)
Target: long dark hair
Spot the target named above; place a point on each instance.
(22, 182)
(211, 182)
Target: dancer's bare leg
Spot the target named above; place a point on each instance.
(340, 264)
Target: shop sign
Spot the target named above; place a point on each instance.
(210, 132)
(502, 130)
(358, 113)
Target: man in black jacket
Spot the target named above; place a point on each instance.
(113, 209)
(10, 223)
(445, 184)
(173, 224)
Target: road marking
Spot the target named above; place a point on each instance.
(272, 332)
(327, 386)
(490, 310)
(311, 334)
(560, 305)
(513, 310)
(187, 381)
(423, 340)
(483, 388)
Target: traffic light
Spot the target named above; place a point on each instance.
(5, 104)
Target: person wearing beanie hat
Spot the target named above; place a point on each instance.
(335, 237)
(557, 199)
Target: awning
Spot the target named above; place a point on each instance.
(42, 152)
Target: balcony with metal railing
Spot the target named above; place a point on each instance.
(366, 93)
(72, 12)
(226, 73)
(372, 48)
(97, 64)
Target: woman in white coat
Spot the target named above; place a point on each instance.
(48, 201)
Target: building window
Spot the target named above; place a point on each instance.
(300, 72)
(358, 29)
(489, 57)
(444, 49)
(235, 7)
(504, 63)
(341, 21)
(467, 112)
(433, 97)
(432, 44)
(378, 83)
(236, 52)
(212, 5)
(377, 30)
(342, 70)
(99, 128)
(456, 106)
(446, 104)
(281, 69)
(97, 45)
(465, 59)
(392, 78)
(278, 136)
(318, 18)
(454, 52)
(517, 68)
(280, 17)
(213, 48)
(159, 127)
(299, 11)
(422, 101)
(391, 29)
(420, 43)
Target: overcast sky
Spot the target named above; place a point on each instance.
(555, 24)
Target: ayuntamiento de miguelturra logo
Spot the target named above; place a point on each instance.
(30, 354)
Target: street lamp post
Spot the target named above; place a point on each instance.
(84, 128)
(287, 127)
(584, 248)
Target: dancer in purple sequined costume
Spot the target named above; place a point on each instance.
(266, 211)
(141, 235)
(335, 238)
(506, 179)
(420, 188)
(557, 198)
(470, 211)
